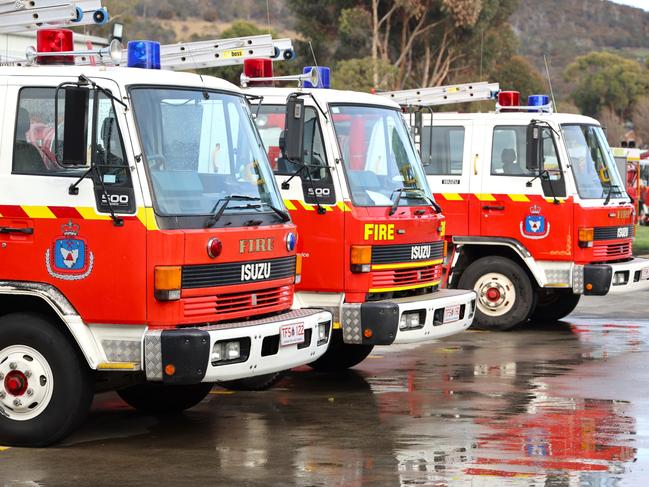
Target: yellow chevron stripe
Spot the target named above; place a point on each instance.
(38, 212)
(519, 198)
(452, 196)
(289, 205)
(4, 448)
(147, 218)
(343, 206)
(443, 232)
(551, 200)
(406, 265)
(402, 288)
(89, 213)
(485, 197)
(306, 206)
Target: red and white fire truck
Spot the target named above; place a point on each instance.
(534, 202)
(371, 235)
(144, 245)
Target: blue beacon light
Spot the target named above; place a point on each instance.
(143, 54)
(323, 76)
(538, 101)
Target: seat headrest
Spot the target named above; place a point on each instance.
(22, 124)
(508, 156)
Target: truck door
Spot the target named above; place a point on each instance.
(448, 160)
(52, 235)
(319, 235)
(517, 203)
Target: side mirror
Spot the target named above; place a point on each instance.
(294, 137)
(533, 159)
(72, 149)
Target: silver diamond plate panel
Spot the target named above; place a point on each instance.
(578, 279)
(558, 276)
(350, 320)
(153, 355)
(122, 350)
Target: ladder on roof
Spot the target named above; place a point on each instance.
(444, 95)
(218, 52)
(25, 15)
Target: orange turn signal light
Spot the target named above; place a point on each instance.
(298, 269)
(361, 258)
(170, 369)
(367, 333)
(586, 236)
(167, 282)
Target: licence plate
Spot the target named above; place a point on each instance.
(291, 334)
(452, 313)
(622, 232)
(644, 273)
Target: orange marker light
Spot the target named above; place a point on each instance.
(367, 333)
(589, 287)
(170, 369)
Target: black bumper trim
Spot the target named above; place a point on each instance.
(382, 317)
(598, 276)
(188, 350)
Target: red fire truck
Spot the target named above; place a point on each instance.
(536, 207)
(371, 235)
(144, 245)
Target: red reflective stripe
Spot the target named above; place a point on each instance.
(12, 211)
(65, 212)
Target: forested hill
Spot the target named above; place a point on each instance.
(564, 29)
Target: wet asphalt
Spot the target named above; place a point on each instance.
(562, 404)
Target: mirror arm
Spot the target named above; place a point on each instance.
(285, 184)
(84, 80)
(73, 189)
(299, 93)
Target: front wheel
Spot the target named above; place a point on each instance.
(46, 386)
(158, 398)
(505, 294)
(340, 355)
(257, 383)
(554, 304)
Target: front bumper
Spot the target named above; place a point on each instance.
(617, 278)
(188, 352)
(378, 322)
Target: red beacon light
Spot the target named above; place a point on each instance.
(508, 99)
(257, 68)
(54, 40)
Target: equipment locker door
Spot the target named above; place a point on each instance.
(67, 240)
(515, 202)
(449, 158)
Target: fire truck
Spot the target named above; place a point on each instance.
(371, 234)
(144, 244)
(536, 208)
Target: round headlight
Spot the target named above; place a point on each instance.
(291, 241)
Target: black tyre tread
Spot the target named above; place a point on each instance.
(257, 383)
(341, 356)
(549, 310)
(158, 398)
(73, 379)
(526, 296)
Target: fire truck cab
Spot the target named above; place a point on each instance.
(144, 245)
(371, 235)
(535, 206)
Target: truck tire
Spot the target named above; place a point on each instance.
(257, 383)
(506, 297)
(46, 387)
(340, 355)
(158, 398)
(554, 304)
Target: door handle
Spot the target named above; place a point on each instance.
(25, 231)
(494, 207)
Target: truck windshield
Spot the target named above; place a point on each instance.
(379, 158)
(592, 162)
(201, 146)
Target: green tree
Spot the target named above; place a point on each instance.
(357, 74)
(603, 79)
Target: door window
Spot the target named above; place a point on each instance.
(444, 154)
(508, 151)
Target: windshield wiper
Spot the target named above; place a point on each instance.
(280, 213)
(216, 215)
(610, 192)
(420, 195)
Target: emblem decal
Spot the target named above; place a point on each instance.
(68, 257)
(535, 226)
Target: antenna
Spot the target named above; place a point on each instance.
(547, 73)
(315, 61)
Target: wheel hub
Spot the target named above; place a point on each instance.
(496, 294)
(26, 382)
(16, 383)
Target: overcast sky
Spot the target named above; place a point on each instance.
(635, 3)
